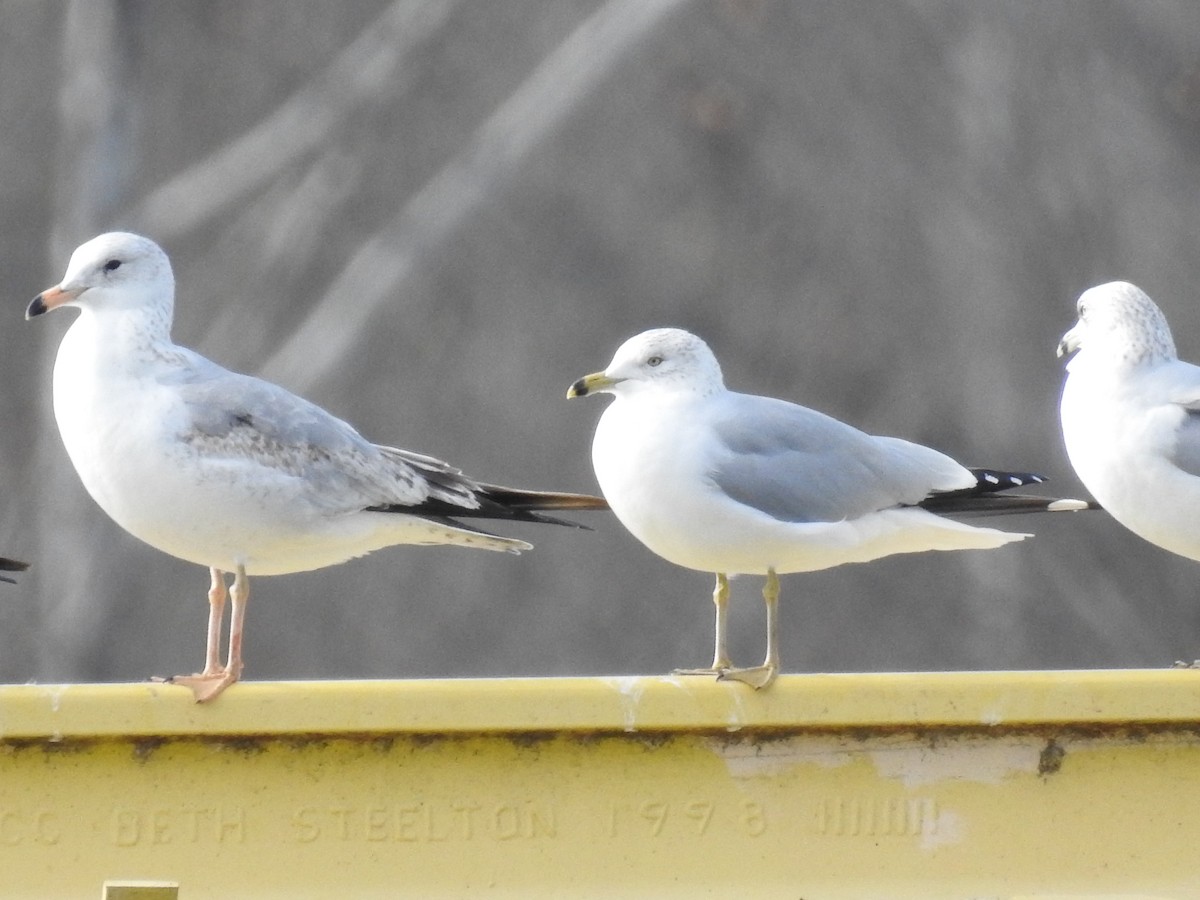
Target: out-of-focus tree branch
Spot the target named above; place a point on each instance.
(372, 63)
(93, 178)
(544, 100)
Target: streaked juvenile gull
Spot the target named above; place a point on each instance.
(732, 483)
(229, 471)
(1130, 415)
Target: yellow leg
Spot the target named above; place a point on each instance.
(759, 677)
(720, 653)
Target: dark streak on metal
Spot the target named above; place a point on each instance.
(1056, 736)
(1050, 760)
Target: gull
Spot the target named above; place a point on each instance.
(11, 565)
(731, 483)
(1130, 414)
(230, 471)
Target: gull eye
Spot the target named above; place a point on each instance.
(654, 361)
(112, 265)
(1082, 310)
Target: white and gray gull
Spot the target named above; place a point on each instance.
(1130, 414)
(230, 471)
(731, 483)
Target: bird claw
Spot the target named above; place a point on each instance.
(204, 686)
(1184, 664)
(712, 671)
(758, 677)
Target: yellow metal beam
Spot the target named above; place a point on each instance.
(140, 890)
(954, 785)
(683, 703)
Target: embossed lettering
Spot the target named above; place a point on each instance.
(656, 815)
(466, 817)
(378, 824)
(424, 822)
(407, 819)
(306, 830)
(653, 818)
(231, 825)
(130, 827)
(19, 827)
(507, 822)
(871, 817)
(754, 818)
(9, 827)
(541, 821)
(126, 827)
(701, 813)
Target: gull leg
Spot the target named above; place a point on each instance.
(241, 593)
(215, 678)
(759, 677)
(217, 595)
(720, 653)
(720, 628)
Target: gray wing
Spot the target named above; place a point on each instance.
(1186, 452)
(799, 465)
(1179, 383)
(228, 416)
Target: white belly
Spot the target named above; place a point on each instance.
(1121, 451)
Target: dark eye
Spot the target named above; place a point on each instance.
(654, 361)
(112, 265)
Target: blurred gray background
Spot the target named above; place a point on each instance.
(431, 216)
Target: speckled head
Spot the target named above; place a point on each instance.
(1119, 325)
(660, 358)
(116, 270)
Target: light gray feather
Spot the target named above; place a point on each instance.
(799, 465)
(239, 417)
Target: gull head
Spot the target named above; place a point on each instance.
(1119, 325)
(660, 359)
(113, 271)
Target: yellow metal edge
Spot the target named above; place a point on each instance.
(606, 704)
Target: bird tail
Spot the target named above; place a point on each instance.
(987, 497)
(528, 506)
(11, 565)
(503, 503)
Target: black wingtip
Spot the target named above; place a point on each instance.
(987, 497)
(505, 504)
(531, 506)
(992, 480)
(11, 565)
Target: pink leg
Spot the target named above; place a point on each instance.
(215, 677)
(217, 595)
(241, 593)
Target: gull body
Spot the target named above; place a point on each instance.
(732, 483)
(1130, 414)
(697, 479)
(230, 471)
